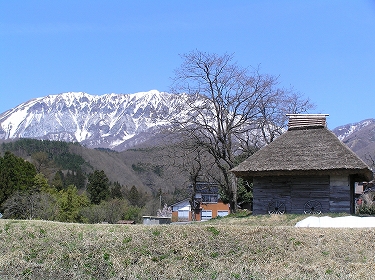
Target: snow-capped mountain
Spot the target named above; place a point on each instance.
(346, 131)
(114, 121)
(120, 121)
(359, 137)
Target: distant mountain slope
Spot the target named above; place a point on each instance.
(140, 167)
(359, 137)
(115, 121)
(123, 121)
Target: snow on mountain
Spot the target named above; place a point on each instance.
(345, 131)
(360, 138)
(120, 121)
(110, 121)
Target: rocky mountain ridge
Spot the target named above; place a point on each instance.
(115, 121)
(122, 121)
(360, 138)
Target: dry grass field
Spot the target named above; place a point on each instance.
(261, 247)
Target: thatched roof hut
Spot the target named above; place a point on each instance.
(308, 150)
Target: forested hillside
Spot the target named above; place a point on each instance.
(71, 183)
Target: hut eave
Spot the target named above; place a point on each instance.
(360, 174)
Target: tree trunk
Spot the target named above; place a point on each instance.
(233, 189)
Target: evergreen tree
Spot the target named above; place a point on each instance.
(116, 190)
(16, 174)
(40, 183)
(98, 186)
(80, 179)
(134, 196)
(69, 178)
(58, 180)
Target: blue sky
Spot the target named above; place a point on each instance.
(323, 49)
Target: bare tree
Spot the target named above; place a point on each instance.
(192, 163)
(230, 110)
(198, 164)
(40, 160)
(273, 110)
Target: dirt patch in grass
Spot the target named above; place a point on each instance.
(261, 247)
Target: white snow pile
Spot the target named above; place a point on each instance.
(339, 222)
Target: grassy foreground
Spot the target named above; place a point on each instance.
(261, 247)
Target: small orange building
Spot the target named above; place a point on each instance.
(207, 205)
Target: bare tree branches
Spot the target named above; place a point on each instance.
(230, 110)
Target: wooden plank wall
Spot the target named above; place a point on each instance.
(310, 188)
(340, 194)
(294, 192)
(267, 189)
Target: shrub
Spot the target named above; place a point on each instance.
(367, 207)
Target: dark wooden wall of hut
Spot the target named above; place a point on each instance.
(294, 192)
(341, 194)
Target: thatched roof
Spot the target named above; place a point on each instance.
(304, 151)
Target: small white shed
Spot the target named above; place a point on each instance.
(182, 208)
